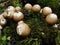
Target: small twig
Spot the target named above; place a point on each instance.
(0, 32)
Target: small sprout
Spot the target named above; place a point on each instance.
(9, 38)
(43, 33)
(56, 26)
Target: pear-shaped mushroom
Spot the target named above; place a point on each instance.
(36, 8)
(23, 29)
(28, 6)
(51, 19)
(46, 11)
(17, 16)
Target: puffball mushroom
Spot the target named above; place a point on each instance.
(2, 22)
(46, 11)
(36, 8)
(1, 16)
(18, 9)
(51, 18)
(23, 29)
(4, 14)
(28, 6)
(10, 8)
(17, 16)
(10, 14)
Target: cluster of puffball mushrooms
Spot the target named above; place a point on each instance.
(51, 18)
(15, 13)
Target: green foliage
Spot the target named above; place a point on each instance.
(54, 4)
(17, 3)
(4, 38)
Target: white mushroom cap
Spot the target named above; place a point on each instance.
(10, 8)
(2, 22)
(18, 16)
(51, 18)
(36, 8)
(23, 29)
(46, 11)
(28, 6)
(18, 9)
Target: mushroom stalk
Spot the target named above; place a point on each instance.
(0, 29)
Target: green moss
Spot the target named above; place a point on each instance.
(39, 28)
